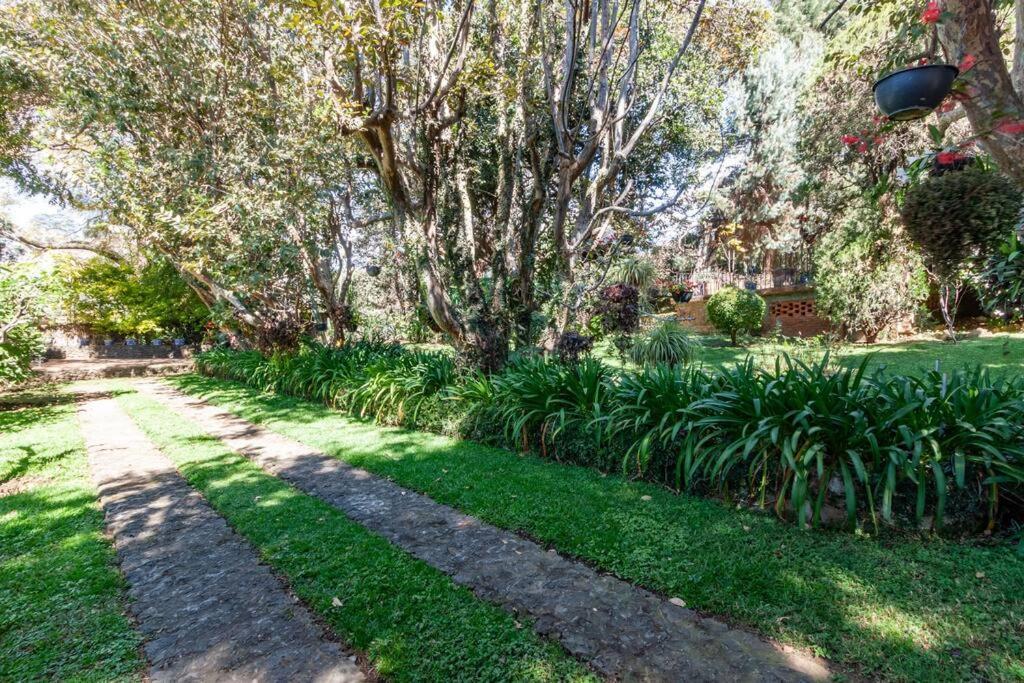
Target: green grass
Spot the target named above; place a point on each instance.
(61, 596)
(412, 620)
(893, 607)
(1000, 353)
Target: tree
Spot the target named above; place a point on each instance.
(957, 220)
(545, 118)
(117, 299)
(189, 130)
(867, 275)
(972, 34)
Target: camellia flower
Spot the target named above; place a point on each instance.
(862, 147)
(948, 105)
(1011, 127)
(967, 63)
(850, 139)
(931, 13)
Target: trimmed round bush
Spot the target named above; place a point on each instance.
(735, 311)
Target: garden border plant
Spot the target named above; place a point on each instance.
(897, 447)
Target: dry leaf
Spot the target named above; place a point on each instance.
(677, 601)
(336, 602)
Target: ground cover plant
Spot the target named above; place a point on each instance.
(414, 623)
(803, 438)
(61, 597)
(895, 607)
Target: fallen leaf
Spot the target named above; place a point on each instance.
(645, 497)
(677, 601)
(336, 602)
(979, 575)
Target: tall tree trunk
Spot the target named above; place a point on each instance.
(993, 97)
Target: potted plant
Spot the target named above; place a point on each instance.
(682, 292)
(914, 92)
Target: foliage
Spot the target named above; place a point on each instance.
(1001, 282)
(958, 219)
(572, 345)
(120, 300)
(798, 436)
(619, 308)
(668, 343)
(867, 277)
(24, 293)
(735, 311)
(21, 346)
(637, 272)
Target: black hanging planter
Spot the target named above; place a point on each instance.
(913, 93)
(373, 271)
(320, 327)
(626, 239)
(682, 297)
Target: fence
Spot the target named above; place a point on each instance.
(709, 280)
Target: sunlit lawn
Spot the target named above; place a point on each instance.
(62, 599)
(1001, 353)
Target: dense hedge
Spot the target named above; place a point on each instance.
(805, 439)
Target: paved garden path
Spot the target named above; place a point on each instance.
(621, 630)
(208, 609)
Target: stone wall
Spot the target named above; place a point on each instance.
(63, 344)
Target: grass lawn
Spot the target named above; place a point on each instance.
(893, 607)
(1001, 354)
(61, 596)
(412, 620)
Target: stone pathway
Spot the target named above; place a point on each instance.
(208, 609)
(622, 631)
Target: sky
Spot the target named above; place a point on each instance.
(35, 214)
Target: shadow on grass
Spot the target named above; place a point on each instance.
(900, 608)
(60, 596)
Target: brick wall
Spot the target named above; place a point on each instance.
(792, 308)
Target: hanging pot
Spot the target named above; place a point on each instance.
(373, 271)
(626, 239)
(913, 93)
(682, 297)
(320, 327)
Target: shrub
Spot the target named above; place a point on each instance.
(619, 308)
(637, 272)
(958, 220)
(867, 276)
(736, 311)
(667, 343)
(1001, 283)
(572, 345)
(800, 437)
(21, 346)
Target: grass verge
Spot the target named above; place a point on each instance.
(61, 597)
(413, 622)
(892, 607)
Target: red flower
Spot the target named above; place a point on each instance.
(932, 13)
(862, 147)
(948, 158)
(948, 105)
(850, 139)
(1011, 127)
(967, 63)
